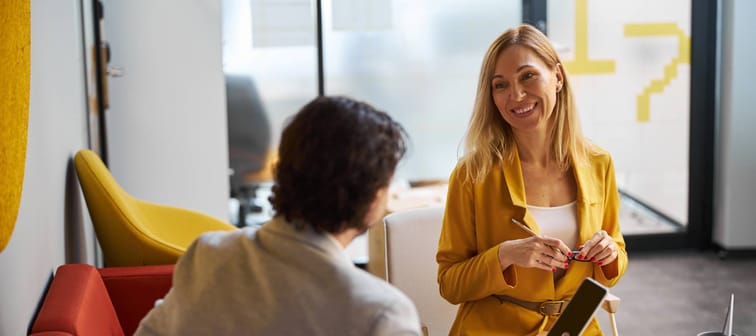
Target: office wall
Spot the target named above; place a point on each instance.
(735, 226)
(50, 228)
(173, 150)
(167, 118)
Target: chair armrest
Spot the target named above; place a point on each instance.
(134, 290)
(77, 303)
(611, 303)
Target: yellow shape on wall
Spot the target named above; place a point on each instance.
(582, 64)
(15, 44)
(643, 113)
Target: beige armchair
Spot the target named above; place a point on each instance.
(411, 241)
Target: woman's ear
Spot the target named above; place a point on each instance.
(559, 73)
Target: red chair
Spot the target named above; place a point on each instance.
(84, 300)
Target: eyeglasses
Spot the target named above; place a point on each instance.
(575, 253)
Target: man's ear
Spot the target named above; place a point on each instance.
(377, 208)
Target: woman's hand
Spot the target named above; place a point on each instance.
(600, 249)
(536, 252)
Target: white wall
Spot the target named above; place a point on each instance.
(167, 118)
(167, 128)
(49, 230)
(735, 226)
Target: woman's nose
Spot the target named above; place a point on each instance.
(517, 92)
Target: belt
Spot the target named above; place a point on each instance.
(552, 308)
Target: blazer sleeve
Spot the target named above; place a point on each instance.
(609, 274)
(464, 274)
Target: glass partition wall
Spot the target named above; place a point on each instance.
(269, 59)
(418, 60)
(646, 87)
(629, 61)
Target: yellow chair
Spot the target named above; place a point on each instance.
(133, 232)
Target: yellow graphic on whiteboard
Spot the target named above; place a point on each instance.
(582, 64)
(670, 70)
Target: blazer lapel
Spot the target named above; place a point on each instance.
(586, 199)
(516, 187)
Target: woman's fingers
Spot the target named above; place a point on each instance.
(606, 257)
(557, 262)
(543, 262)
(558, 246)
(551, 252)
(536, 252)
(601, 248)
(590, 248)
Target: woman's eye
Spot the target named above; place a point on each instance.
(528, 75)
(499, 85)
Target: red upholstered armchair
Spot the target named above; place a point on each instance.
(84, 300)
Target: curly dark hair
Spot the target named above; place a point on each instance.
(334, 156)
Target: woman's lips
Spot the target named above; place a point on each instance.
(523, 110)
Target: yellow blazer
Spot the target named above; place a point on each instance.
(478, 218)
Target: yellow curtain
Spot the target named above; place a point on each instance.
(15, 44)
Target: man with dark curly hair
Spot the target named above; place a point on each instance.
(292, 277)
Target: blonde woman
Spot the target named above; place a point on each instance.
(532, 207)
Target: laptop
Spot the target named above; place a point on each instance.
(580, 310)
(727, 327)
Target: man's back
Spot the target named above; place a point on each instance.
(277, 281)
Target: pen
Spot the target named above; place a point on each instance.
(524, 227)
(532, 233)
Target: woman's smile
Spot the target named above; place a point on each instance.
(523, 110)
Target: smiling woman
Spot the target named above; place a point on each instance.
(529, 196)
(14, 104)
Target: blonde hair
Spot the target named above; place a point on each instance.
(489, 139)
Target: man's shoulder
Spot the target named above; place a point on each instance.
(224, 238)
(219, 244)
(373, 290)
(389, 308)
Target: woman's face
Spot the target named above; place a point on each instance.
(524, 89)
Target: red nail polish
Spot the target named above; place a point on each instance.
(553, 269)
(569, 254)
(593, 259)
(600, 263)
(566, 266)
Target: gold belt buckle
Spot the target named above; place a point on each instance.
(542, 308)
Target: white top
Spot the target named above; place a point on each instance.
(557, 222)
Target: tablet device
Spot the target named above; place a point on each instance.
(581, 308)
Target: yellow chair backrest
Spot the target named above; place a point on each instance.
(133, 232)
